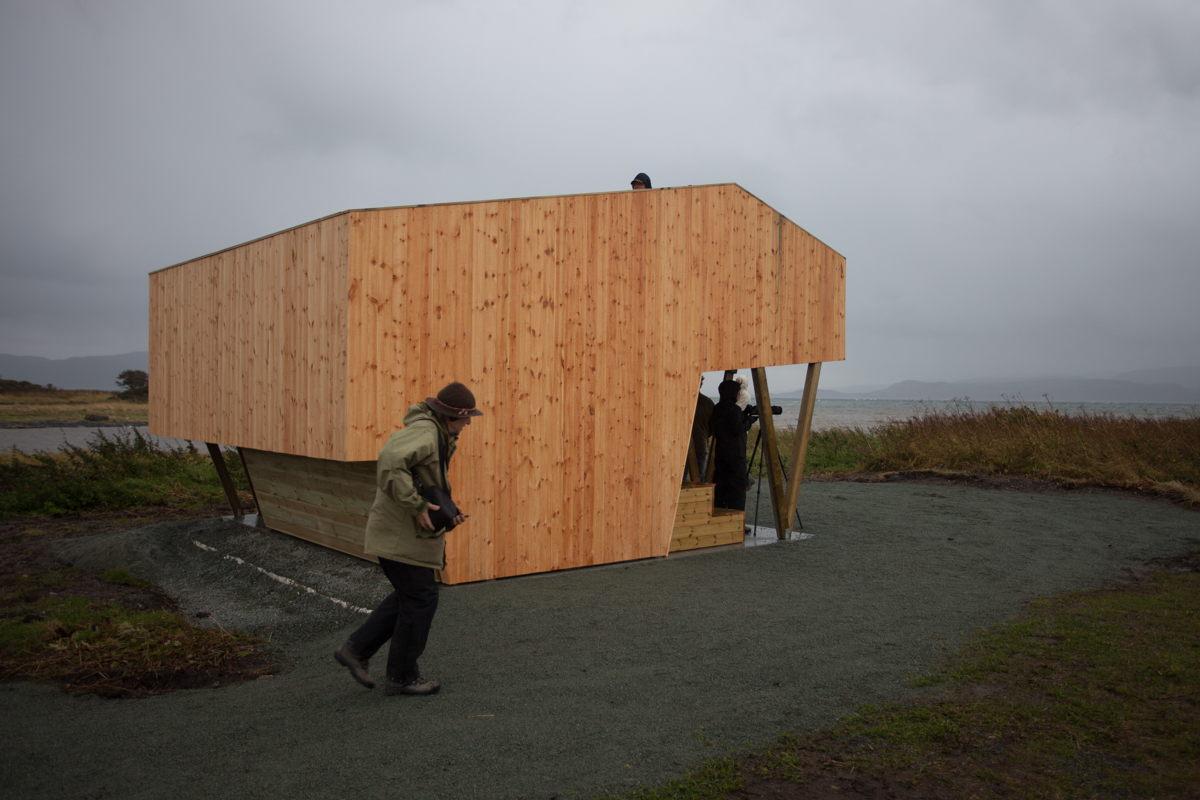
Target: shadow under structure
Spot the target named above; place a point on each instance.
(581, 322)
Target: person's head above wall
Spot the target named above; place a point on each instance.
(454, 401)
(456, 404)
(641, 181)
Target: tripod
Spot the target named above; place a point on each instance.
(758, 491)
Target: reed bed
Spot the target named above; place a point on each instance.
(1081, 449)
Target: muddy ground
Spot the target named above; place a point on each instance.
(33, 570)
(576, 683)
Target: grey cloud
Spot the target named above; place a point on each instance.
(1013, 184)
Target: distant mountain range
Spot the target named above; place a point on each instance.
(1168, 385)
(1177, 385)
(83, 372)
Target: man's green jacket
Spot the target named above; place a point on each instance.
(411, 453)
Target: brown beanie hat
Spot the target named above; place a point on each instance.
(454, 401)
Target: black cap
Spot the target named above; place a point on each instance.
(454, 401)
(642, 178)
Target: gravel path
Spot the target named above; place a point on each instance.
(576, 683)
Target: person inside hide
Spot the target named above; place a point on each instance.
(743, 398)
(641, 181)
(729, 425)
(407, 530)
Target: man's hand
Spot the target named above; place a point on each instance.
(423, 517)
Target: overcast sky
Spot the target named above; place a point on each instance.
(1015, 185)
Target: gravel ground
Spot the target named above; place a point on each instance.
(577, 683)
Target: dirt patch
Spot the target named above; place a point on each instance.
(107, 632)
(1179, 565)
(26, 550)
(71, 525)
(824, 777)
(930, 477)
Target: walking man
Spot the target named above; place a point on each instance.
(409, 547)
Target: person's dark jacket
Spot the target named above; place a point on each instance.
(729, 425)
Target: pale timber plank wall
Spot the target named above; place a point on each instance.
(248, 346)
(582, 323)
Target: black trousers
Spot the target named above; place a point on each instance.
(404, 616)
(730, 495)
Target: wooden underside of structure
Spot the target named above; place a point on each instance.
(327, 503)
(582, 324)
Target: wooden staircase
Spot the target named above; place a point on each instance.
(699, 524)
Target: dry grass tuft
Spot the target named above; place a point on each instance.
(1080, 449)
(93, 648)
(1160, 456)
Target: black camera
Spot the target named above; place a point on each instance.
(752, 411)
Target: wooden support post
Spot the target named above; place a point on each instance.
(693, 463)
(262, 523)
(712, 461)
(214, 451)
(800, 448)
(770, 451)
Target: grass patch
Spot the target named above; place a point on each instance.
(115, 471)
(123, 577)
(1090, 694)
(1083, 449)
(40, 404)
(713, 779)
(114, 651)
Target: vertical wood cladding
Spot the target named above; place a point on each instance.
(582, 323)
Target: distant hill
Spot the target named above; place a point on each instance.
(1187, 377)
(1057, 389)
(84, 372)
(1135, 387)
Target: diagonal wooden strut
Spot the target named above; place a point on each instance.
(693, 463)
(214, 451)
(800, 447)
(766, 422)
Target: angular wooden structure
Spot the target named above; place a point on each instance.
(582, 323)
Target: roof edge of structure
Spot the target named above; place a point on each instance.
(461, 203)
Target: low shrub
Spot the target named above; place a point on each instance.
(113, 471)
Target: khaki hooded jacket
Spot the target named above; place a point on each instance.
(392, 528)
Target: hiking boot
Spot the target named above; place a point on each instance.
(420, 686)
(358, 667)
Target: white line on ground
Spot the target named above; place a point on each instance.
(283, 580)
